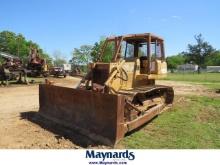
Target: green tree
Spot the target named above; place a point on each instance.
(199, 51)
(107, 54)
(8, 42)
(174, 61)
(213, 59)
(96, 50)
(82, 55)
(17, 45)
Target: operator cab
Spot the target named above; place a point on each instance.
(145, 50)
(138, 48)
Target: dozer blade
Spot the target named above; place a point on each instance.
(96, 115)
(99, 116)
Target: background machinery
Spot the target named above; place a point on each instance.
(12, 69)
(36, 66)
(116, 97)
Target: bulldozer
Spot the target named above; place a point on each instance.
(115, 97)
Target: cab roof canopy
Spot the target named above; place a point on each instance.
(140, 37)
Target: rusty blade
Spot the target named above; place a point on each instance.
(96, 115)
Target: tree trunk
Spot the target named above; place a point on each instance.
(199, 71)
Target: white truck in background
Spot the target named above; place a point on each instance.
(67, 68)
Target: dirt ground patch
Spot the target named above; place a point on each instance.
(18, 107)
(184, 88)
(208, 114)
(22, 127)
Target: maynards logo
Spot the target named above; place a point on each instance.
(116, 157)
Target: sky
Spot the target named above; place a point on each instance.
(62, 25)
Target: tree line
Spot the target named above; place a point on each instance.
(89, 53)
(18, 45)
(201, 53)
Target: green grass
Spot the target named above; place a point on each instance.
(194, 77)
(211, 80)
(194, 122)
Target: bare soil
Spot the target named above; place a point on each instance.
(22, 127)
(184, 88)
